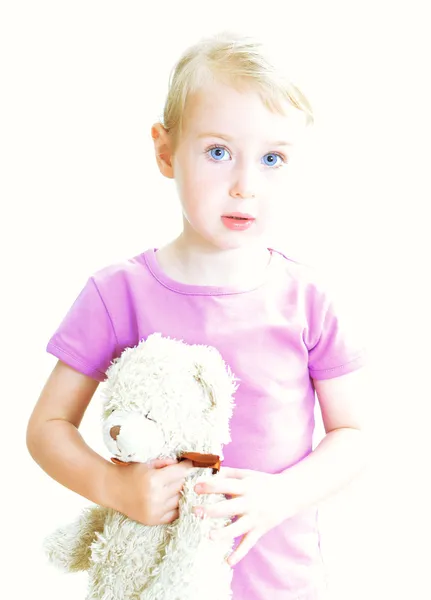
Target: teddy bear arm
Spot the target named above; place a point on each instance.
(69, 547)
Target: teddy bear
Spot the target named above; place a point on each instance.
(161, 398)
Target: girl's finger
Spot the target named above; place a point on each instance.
(234, 473)
(169, 517)
(240, 527)
(172, 503)
(225, 508)
(175, 488)
(222, 485)
(243, 548)
(159, 463)
(175, 472)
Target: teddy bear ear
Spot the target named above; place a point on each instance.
(207, 387)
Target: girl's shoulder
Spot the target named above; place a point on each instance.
(295, 273)
(122, 272)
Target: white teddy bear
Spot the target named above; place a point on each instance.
(162, 398)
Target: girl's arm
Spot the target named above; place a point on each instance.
(343, 453)
(148, 493)
(262, 500)
(54, 441)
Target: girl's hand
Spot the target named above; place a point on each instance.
(258, 500)
(148, 492)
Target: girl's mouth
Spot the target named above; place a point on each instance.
(237, 222)
(239, 216)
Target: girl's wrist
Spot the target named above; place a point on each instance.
(289, 501)
(109, 486)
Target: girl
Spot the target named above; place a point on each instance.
(231, 123)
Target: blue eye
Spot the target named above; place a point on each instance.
(217, 153)
(270, 159)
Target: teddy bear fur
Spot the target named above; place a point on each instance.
(163, 397)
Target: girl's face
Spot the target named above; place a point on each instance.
(233, 157)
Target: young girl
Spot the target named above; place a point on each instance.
(231, 122)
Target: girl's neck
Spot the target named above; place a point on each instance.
(208, 266)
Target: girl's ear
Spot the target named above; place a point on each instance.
(163, 149)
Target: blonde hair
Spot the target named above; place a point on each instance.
(241, 61)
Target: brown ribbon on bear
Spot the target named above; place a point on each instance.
(203, 461)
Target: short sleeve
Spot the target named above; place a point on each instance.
(85, 339)
(335, 347)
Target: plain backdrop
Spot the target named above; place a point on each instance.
(82, 83)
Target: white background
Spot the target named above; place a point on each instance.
(82, 82)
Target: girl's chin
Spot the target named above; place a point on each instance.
(223, 239)
(224, 243)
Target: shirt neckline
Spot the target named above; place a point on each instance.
(200, 290)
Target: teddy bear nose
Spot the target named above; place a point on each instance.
(115, 431)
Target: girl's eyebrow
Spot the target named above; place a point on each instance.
(228, 138)
(222, 136)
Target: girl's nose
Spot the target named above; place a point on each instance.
(244, 185)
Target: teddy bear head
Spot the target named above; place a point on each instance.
(164, 397)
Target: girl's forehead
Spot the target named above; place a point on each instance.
(222, 109)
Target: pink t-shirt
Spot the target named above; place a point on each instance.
(276, 337)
